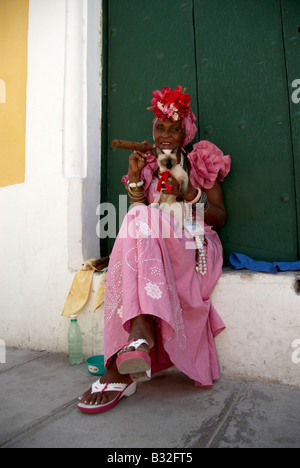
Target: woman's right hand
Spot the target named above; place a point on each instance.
(137, 161)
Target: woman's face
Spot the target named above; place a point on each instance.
(168, 134)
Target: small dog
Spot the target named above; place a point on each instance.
(168, 202)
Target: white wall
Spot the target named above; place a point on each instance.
(49, 222)
(262, 315)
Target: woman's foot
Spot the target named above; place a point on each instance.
(112, 376)
(140, 329)
(138, 363)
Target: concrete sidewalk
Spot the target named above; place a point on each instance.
(38, 409)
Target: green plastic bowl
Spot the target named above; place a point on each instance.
(95, 365)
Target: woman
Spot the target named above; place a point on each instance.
(158, 311)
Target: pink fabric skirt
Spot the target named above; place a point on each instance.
(152, 271)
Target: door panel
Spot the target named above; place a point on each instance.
(243, 102)
(151, 45)
(291, 32)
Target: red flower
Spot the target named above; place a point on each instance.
(171, 103)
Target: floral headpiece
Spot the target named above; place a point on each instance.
(171, 103)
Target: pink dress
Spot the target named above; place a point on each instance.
(152, 271)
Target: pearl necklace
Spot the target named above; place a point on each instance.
(201, 266)
(201, 241)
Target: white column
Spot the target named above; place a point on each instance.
(75, 91)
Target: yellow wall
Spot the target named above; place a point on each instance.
(13, 78)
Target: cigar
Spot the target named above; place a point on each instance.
(132, 145)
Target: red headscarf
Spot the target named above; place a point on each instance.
(174, 105)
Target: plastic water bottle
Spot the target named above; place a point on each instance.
(75, 342)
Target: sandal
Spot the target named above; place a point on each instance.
(134, 362)
(126, 390)
(142, 376)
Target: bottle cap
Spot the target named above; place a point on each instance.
(73, 317)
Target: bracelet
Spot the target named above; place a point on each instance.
(197, 197)
(203, 199)
(136, 197)
(135, 185)
(135, 193)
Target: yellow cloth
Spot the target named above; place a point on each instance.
(81, 288)
(99, 299)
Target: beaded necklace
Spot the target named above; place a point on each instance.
(200, 240)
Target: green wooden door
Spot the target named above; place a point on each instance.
(146, 51)
(238, 60)
(291, 35)
(244, 108)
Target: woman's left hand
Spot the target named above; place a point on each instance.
(190, 193)
(174, 184)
